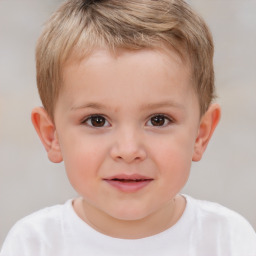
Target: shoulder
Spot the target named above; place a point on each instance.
(34, 230)
(50, 216)
(224, 225)
(217, 213)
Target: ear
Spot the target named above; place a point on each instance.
(207, 126)
(46, 131)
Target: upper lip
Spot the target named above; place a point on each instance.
(128, 177)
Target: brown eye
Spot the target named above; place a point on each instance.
(96, 121)
(159, 120)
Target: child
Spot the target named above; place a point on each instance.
(127, 89)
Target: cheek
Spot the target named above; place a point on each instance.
(80, 151)
(174, 158)
(82, 163)
(178, 146)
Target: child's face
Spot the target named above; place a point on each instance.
(126, 126)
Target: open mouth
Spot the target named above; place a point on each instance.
(130, 180)
(128, 184)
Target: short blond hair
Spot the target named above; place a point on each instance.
(79, 26)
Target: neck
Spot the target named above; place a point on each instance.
(152, 224)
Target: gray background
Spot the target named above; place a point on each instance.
(227, 173)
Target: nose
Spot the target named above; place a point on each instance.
(128, 146)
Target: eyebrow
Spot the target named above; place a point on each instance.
(99, 106)
(167, 103)
(89, 105)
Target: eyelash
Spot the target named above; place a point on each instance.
(167, 120)
(90, 118)
(161, 117)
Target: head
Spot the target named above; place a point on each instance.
(126, 88)
(80, 26)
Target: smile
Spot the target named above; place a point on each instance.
(128, 183)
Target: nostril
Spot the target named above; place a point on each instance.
(129, 158)
(128, 152)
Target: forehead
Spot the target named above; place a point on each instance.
(101, 57)
(126, 78)
(106, 64)
(90, 53)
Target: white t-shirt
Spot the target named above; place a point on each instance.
(205, 229)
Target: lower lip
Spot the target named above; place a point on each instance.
(128, 187)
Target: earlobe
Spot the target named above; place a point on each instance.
(46, 131)
(207, 126)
